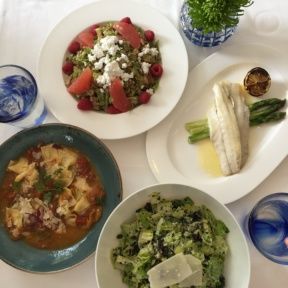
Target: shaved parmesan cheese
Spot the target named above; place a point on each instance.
(185, 270)
(169, 272)
(195, 279)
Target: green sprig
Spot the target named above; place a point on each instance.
(215, 15)
(49, 186)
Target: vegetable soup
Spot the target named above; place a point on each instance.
(50, 196)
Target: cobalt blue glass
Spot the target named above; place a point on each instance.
(198, 37)
(268, 227)
(20, 103)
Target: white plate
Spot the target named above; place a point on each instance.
(170, 156)
(144, 117)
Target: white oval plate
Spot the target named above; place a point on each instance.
(170, 156)
(144, 117)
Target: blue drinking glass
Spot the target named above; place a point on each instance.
(20, 104)
(268, 227)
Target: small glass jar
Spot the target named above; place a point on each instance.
(198, 37)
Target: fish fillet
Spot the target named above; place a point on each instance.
(242, 113)
(228, 122)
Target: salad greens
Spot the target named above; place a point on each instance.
(111, 56)
(163, 228)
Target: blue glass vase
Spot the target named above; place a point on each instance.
(198, 37)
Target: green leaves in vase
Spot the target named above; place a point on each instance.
(215, 15)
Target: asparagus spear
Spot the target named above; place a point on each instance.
(262, 111)
(275, 116)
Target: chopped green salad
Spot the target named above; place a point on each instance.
(164, 228)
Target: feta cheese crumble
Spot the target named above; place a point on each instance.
(147, 50)
(145, 67)
(150, 91)
(112, 70)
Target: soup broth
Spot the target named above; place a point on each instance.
(50, 196)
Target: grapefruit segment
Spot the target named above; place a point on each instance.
(119, 98)
(86, 39)
(82, 83)
(129, 33)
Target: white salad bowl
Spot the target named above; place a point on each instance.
(237, 261)
(130, 123)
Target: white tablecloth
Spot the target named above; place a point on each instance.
(24, 25)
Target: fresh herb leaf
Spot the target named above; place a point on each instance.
(16, 186)
(47, 184)
(47, 197)
(215, 15)
(57, 186)
(42, 178)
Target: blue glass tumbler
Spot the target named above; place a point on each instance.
(20, 103)
(268, 227)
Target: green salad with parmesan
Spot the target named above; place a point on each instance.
(172, 243)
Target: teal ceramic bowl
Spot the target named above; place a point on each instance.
(22, 256)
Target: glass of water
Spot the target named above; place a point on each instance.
(20, 103)
(268, 227)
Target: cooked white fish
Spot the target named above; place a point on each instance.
(228, 126)
(242, 113)
(228, 122)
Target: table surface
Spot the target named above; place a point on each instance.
(24, 25)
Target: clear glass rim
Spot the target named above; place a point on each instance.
(263, 200)
(32, 78)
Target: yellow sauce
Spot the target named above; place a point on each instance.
(208, 158)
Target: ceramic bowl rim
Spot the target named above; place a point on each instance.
(107, 150)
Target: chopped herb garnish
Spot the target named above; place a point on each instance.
(48, 185)
(47, 197)
(16, 185)
(57, 186)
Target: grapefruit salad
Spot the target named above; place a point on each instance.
(112, 67)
